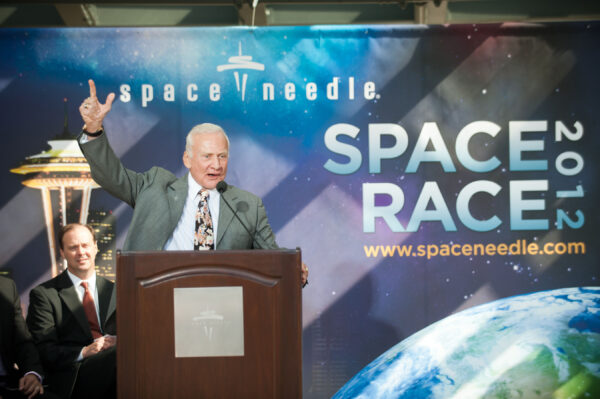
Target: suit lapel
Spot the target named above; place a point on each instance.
(106, 299)
(225, 215)
(66, 291)
(176, 195)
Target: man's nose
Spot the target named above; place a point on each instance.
(215, 163)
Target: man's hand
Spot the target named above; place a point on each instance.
(109, 341)
(99, 345)
(92, 111)
(30, 386)
(304, 274)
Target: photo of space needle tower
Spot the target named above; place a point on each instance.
(62, 175)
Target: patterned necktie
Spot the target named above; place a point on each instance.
(204, 236)
(90, 311)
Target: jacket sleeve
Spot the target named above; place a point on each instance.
(42, 321)
(264, 233)
(108, 171)
(26, 354)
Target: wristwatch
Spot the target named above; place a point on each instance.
(95, 134)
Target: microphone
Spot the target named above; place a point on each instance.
(241, 207)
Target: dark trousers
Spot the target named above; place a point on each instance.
(97, 376)
(9, 389)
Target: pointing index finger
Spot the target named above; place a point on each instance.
(92, 88)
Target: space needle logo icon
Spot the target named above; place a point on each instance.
(241, 62)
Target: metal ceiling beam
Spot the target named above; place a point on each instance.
(39, 13)
(250, 16)
(78, 15)
(432, 13)
(234, 2)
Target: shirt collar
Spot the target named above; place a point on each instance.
(194, 188)
(77, 281)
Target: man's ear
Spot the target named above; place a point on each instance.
(186, 160)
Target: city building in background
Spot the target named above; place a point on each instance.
(104, 223)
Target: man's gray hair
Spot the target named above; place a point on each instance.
(203, 128)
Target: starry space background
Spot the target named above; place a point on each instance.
(355, 307)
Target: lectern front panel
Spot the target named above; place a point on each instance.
(216, 324)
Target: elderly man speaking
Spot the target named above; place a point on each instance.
(171, 213)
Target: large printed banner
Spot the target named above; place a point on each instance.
(423, 171)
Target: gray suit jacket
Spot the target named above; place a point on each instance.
(157, 197)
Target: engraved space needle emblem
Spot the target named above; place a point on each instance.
(208, 320)
(241, 62)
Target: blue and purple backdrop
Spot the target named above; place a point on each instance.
(422, 170)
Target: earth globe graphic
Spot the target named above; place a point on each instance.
(539, 345)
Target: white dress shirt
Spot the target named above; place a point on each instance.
(81, 291)
(183, 235)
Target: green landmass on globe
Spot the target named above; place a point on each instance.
(539, 345)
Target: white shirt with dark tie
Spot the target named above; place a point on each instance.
(182, 238)
(80, 292)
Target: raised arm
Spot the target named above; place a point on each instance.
(105, 166)
(93, 111)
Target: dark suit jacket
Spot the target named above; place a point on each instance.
(158, 197)
(16, 344)
(60, 328)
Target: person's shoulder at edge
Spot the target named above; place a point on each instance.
(240, 191)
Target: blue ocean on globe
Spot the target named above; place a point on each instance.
(540, 345)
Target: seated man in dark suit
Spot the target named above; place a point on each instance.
(17, 347)
(72, 318)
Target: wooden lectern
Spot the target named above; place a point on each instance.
(164, 350)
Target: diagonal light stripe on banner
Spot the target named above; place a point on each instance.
(30, 223)
(125, 126)
(388, 55)
(313, 230)
(259, 177)
(484, 294)
(479, 386)
(343, 270)
(531, 86)
(402, 77)
(532, 80)
(4, 82)
(523, 79)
